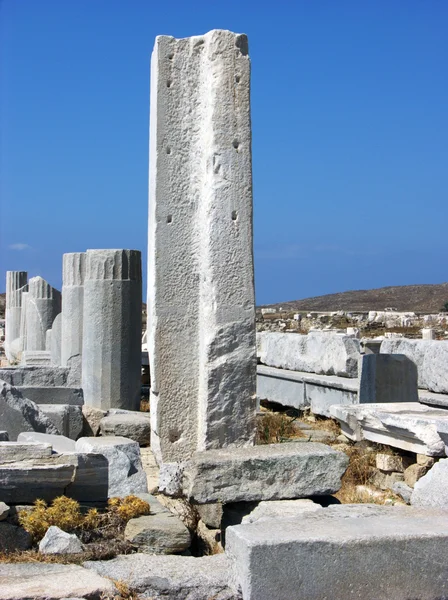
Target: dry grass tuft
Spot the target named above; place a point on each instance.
(273, 428)
(124, 592)
(144, 405)
(93, 526)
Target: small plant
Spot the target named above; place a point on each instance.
(66, 514)
(444, 307)
(128, 508)
(273, 428)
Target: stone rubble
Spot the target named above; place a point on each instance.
(56, 541)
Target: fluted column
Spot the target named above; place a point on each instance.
(111, 351)
(42, 305)
(16, 284)
(73, 273)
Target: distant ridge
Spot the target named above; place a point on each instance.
(425, 298)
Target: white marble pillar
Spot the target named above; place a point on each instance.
(42, 305)
(73, 273)
(201, 309)
(112, 329)
(16, 284)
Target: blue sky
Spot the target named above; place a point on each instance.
(350, 134)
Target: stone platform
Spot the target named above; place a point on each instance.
(407, 425)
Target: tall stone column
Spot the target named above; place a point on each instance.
(42, 306)
(16, 284)
(201, 308)
(22, 334)
(112, 329)
(73, 273)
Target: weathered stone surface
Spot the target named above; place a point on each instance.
(73, 273)
(403, 490)
(432, 488)
(389, 463)
(13, 538)
(318, 352)
(136, 427)
(42, 306)
(19, 414)
(387, 378)
(4, 437)
(126, 474)
(66, 418)
(39, 358)
(210, 539)
(39, 581)
(112, 329)
(35, 376)
(56, 541)
(300, 390)
(407, 425)
(430, 357)
(4, 511)
(435, 367)
(201, 309)
(53, 395)
(162, 533)
(59, 443)
(56, 340)
(413, 473)
(280, 509)
(386, 481)
(84, 477)
(425, 461)
(271, 472)
(92, 419)
(16, 284)
(379, 554)
(151, 469)
(171, 577)
(16, 451)
(91, 478)
(25, 481)
(211, 514)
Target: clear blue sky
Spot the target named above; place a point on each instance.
(350, 134)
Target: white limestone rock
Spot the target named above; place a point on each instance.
(430, 357)
(343, 552)
(432, 488)
(161, 533)
(201, 306)
(136, 426)
(59, 443)
(318, 352)
(56, 541)
(410, 426)
(41, 581)
(19, 414)
(126, 474)
(4, 511)
(270, 472)
(16, 451)
(280, 509)
(171, 577)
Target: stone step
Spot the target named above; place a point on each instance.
(271, 472)
(171, 577)
(407, 425)
(345, 551)
(41, 581)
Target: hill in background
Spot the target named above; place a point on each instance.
(427, 298)
(2, 305)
